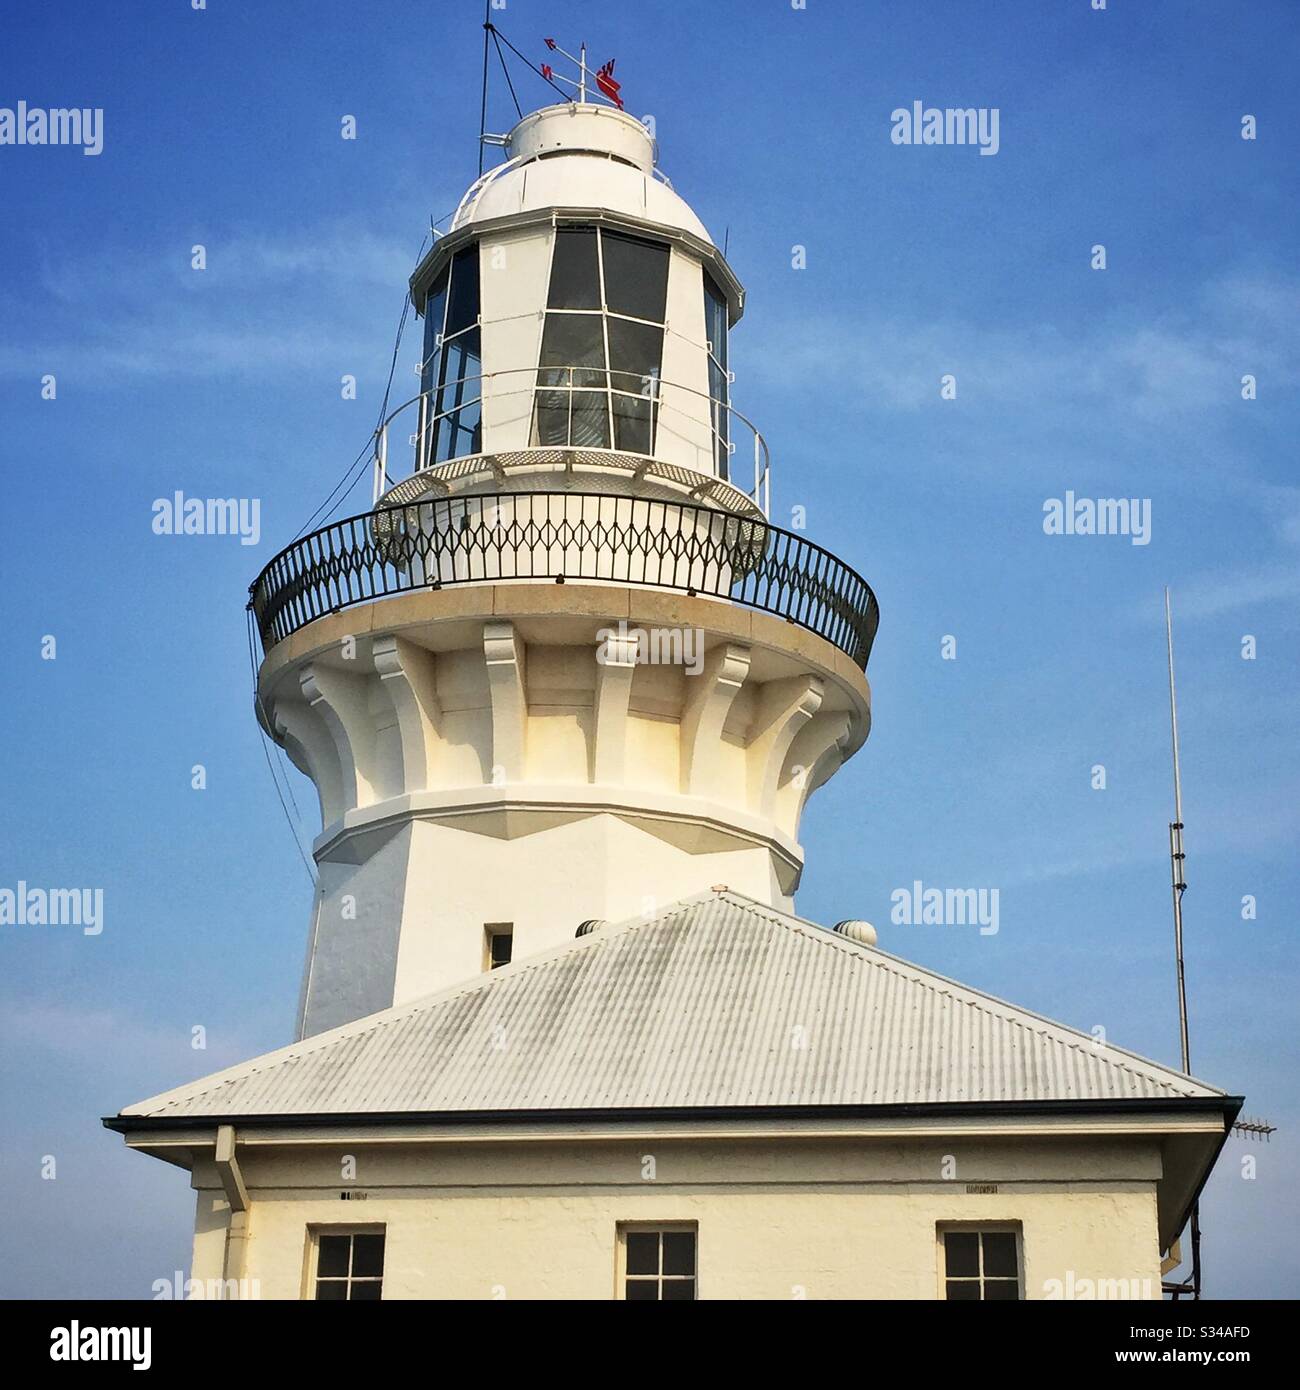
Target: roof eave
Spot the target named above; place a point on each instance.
(1228, 1106)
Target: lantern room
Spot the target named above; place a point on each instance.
(576, 317)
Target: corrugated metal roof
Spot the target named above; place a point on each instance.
(717, 1001)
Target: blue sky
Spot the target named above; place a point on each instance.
(1119, 127)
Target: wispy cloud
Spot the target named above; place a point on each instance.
(95, 1037)
(1208, 596)
(337, 251)
(328, 298)
(1189, 359)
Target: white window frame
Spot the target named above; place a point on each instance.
(311, 1258)
(490, 931)
(1014, 1229)
(658, 1228)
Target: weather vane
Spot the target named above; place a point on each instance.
(604, 76)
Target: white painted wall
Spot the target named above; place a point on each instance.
(777, 1219)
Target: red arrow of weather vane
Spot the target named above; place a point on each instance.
(605, 81)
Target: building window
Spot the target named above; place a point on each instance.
(450, 376)
(658, 1263)
(498, 943)
(981, 1264)
(602, 341)
(349, 1264)
(715, 330)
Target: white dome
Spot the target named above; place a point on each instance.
(586, 126)
(579, 157)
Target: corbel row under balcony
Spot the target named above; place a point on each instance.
(368, 732)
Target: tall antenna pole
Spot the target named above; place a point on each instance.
(1177, 860)
(582, 73)
(1176, 856)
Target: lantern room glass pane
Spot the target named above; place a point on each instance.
(575, 271)
(462, 306)
(633, 423)
(636, 276)
(460, 359)
(551, 419)
(435, 306)
(457, 409)
(573, 340)
(572, 418)
(715, 330)
(451, 351)
(635, 353)
(589, 420)
(715, 321)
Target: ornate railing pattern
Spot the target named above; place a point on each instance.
(563, 536)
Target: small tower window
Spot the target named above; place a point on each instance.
(498, 944)
(602, 342)
(450, 377)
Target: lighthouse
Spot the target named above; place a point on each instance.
(566, 669)
(564, 689)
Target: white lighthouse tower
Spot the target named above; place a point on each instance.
(564, 691)
(566, 670)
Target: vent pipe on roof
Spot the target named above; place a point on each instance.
(861, 932)
(589, 926)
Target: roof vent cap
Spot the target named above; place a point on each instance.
(589, 926)
(856, 930)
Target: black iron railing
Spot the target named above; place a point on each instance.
(560, 536)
